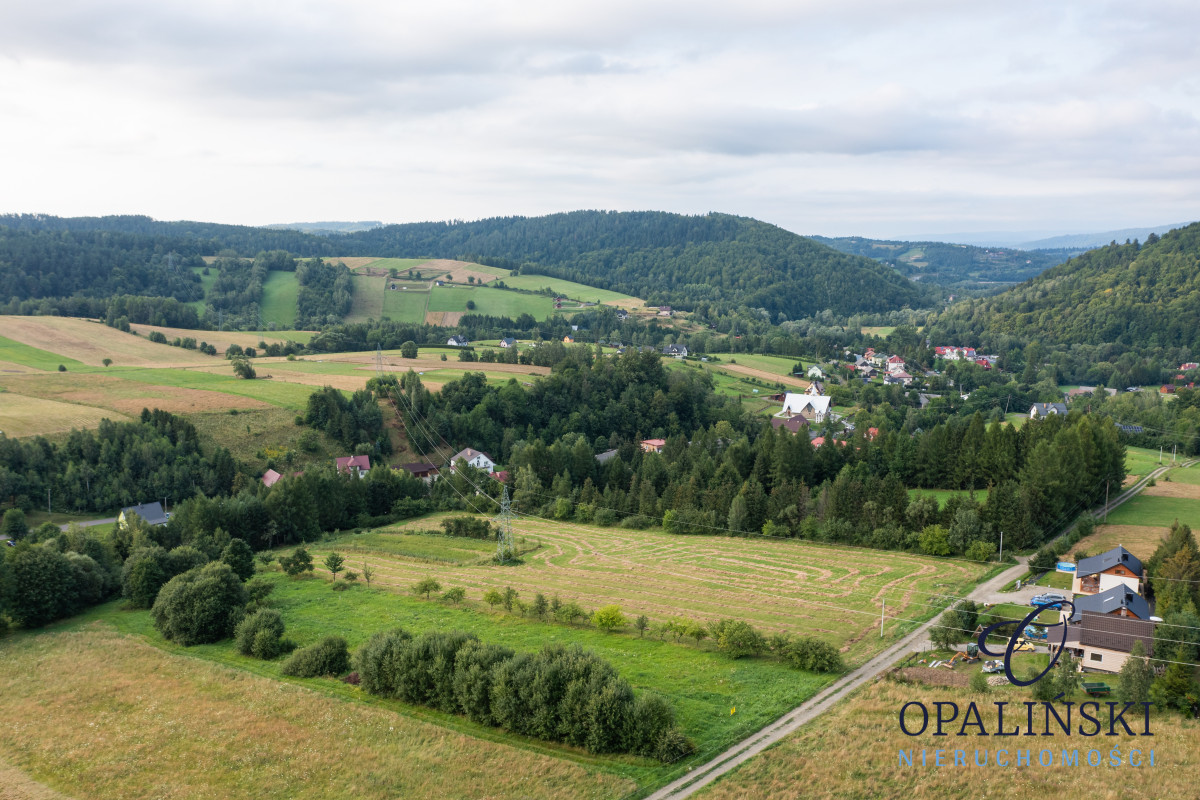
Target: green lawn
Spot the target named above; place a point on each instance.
(1143, 510)
(1016, 419)
(1018, 612)
(368, 298)
(1142, 460)
(18, 353)
(780, 365)
(703, 686)
(280, 293)
(1056, 580)
(571, 289)
(942, 495)
(425, 547)
(1190, 475)
(405, 305)
(496, 302)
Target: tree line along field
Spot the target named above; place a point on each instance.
(804, 588)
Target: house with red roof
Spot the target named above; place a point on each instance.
(355, 465)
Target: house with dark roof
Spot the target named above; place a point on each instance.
(1117, 567)
(1102, 642)
(457, 341)
(508, 341)
(792, 424)
(423, 470)
(676, 350)
(1046, 409)
(151, 514)
(1119, 601)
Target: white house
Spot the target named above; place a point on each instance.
(812, 407)
(1046, 409)
(474, 458)
(151, 514)
(355, 465)
(457, 341)
(815, 373)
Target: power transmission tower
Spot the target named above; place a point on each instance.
(506, 550)
(378, 361)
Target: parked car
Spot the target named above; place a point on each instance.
(1047, 598)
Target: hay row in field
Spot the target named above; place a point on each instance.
(91, 342)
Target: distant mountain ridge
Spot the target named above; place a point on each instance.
(1135, 295)
(1087, 241)
(960, 266)
(326, 227)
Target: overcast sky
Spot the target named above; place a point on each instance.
(874, 118)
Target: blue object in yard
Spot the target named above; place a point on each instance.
(1034, 632)
(1048, 597)
(1066, 566)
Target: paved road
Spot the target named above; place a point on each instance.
(988, 591)
(818, 703)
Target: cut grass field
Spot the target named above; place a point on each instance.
(853, 752)
(384, 264)
(34, 358)
(1189, 475)
(775, 365)
(89, 342)
(1018, 612)
(1142, 461)
(27, 416)
(367, 302)
(281, 292)
(800, 587)
(405, 305)
(1156, 511)
(222, 339)
(497, 302)
(1141, 540)
(125, 391)
(110, 716)
(569, 289)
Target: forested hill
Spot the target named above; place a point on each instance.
(1139, 296)
(715, 260)
(668, 259)
(959, 266)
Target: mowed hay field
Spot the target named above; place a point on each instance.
(832, 592)
(281, 291)
(110, 716)
(1141, 540)
(367, 302)
(121, 392)
(222, 339)
(91, 342)
(571, 289)
(852, 752)
(21, 415)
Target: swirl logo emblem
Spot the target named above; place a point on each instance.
(1018, 633)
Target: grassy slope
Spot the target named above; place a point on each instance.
(21, 415)
(852, 752)
(24, 354)
(942, 495)
(207, 282)
(701, 685)
(280, 294)
(368, 299)
(111, 717)
(571, 289)
(1157, 511)
(284, 395)
(405, 306)
(496, 302)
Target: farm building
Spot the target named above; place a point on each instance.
(1100, 573)
(151, 514)
(475, 458)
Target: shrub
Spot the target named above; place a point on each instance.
(333, 562)
(202, 605)
(737, 639)
(609, 618)
(455, 595)
(979, 683)
(144, 574)
(257, 591)
(339, 586)
(492, 598)
(260, 634)
(569, 612)
(813, 655)
(426, 586)
(296, 563)
(508, 597)
(327, 657)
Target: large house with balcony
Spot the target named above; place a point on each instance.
(1102, 642)
(1107, 570)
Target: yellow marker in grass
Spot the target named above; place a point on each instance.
(733, 711)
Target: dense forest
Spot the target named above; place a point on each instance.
(958, 266)
(668, 259)
(325, 292)
(1132, 295)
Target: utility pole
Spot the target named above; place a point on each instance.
(1174, 449)
(1106, 502)
(882, 608)
(1001, 558)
